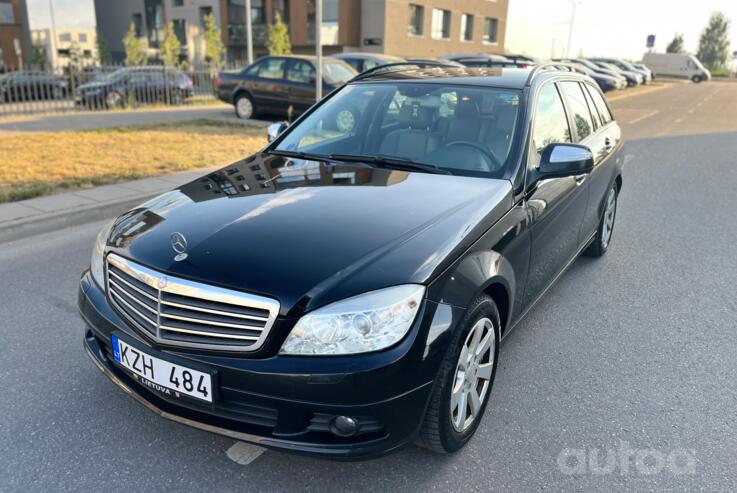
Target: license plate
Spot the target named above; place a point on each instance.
(164, 376)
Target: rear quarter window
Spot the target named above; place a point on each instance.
(604, 114)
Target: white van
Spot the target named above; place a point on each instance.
(676, 65)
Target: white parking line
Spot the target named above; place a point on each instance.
(646, 115)
(244, 453)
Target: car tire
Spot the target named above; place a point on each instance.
(244, 107)
(444, 428)
(696, 79)
(603, 238)
(114, 100)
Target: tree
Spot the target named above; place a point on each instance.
(214, 47)
(38, 56)
(278, 41)
(676, 46)
(103, 53)
(170, 47)
(134, 54)
(714, 42)
(75, 56)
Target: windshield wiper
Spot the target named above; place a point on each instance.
(298, 154)
(389, 162)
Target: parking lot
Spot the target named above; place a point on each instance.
(623, 376)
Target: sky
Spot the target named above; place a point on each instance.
(616, 28)
(610, 28)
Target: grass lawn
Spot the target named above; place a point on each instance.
(33, 164)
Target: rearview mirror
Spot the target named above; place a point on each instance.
(561, 160)
(274, 130)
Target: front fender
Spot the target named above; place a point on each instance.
(500, 257)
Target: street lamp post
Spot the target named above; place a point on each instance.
(318, 49)
(52, 41)
(249, 33)
(570, 27)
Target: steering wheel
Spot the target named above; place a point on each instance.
(493, 162)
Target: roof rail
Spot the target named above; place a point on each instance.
(377, 68)
(549, 66)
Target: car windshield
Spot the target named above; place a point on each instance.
(464, 130)
(116, 76)
(337, 73)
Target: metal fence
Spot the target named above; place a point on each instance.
(33, 90)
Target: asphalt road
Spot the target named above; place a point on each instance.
(623, 377)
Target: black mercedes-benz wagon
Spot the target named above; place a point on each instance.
(344, 291)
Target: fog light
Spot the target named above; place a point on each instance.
(344, 426)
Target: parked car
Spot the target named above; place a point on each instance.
(344, 291)
(614, 72)
(606, 82)
(153, 84)
(31, 85)
(480, 60)
(364, 61)
(680, 65)
(648, 72)
(633, 78)
(522, 61)
(627, 67)
(274, 84)
(432, 62)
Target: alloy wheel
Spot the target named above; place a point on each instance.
(609, 213)
(473, 375)
(244, 108)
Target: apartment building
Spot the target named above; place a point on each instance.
(69, 46)
(15, 38)
(150, 18)
(412, 28)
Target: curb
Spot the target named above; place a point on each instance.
(23, 228)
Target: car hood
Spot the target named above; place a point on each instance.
(308, 233)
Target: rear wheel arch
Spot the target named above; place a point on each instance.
(243, 92)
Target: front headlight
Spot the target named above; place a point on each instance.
(364, 323)
(98, 254)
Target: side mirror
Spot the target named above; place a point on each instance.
(274, 130)
(561, 160)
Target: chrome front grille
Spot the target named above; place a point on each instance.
(180, 312)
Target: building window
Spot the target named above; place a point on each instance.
(82, 37)
(154, 22)
(282, 7)
(138, 24)
(177, 3)
(491, 27)
(7, 16)
(65, 38)
(440, 24)
(180, 31)
(416, 19)
(204, 12)
(466, 27)
(329, 31)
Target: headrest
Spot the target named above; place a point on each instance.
(416, 115)
(505, 115)
(467, 108)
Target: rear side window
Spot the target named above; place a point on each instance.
(272, 68)
(600, 104)
(580, 110)
(551, 124)
(300, 71)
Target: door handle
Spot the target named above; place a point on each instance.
(607, 144)
(580, 179)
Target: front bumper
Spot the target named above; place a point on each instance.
(387, 395)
